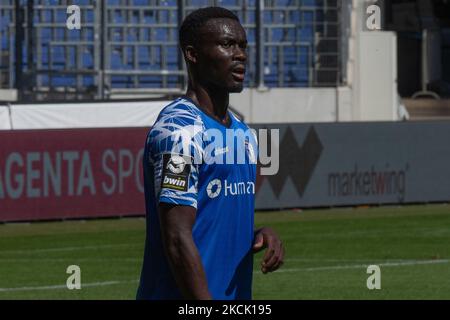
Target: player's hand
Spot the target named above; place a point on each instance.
(266, 238)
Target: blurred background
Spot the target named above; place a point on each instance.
(358, 91)
(320, 48)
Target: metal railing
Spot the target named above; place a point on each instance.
(6, 43)
(127, 46)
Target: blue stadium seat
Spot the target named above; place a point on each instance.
(172, 3)
(298, 76)
(61, 16)
(88, 81)
(88, 16)
(112, 2)
(172, 54)
(141, 2)
(198, 3)
(161, 34)
(311, 3)
(226, 3)
(283, 3)
(88, 59)
(305, 34)
(277, 34)
(296, 61)
(63, 81)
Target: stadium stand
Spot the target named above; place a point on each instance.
(6, 18)
(131, 46)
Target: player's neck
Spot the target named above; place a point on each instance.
(212, 102)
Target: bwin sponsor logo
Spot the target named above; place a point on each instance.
(174, 181)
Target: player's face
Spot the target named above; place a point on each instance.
(222, 55)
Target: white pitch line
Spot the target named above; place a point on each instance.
(347, 260)
(339, 260)
(358, 266)
(69, 259)
(92, 284)
(70, 248)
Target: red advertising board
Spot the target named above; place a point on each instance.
(54, 174)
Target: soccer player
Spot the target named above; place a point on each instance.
(199, 182)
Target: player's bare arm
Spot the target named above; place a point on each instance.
(266, 238)
(214, 46)
(182, 254)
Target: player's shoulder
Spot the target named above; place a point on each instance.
(180, 111)
(178, 119)
(238, 120)
(240, 124)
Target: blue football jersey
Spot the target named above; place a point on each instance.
(193, 160)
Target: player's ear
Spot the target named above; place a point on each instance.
(191, 54)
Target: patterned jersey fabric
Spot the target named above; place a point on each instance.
(191, 159)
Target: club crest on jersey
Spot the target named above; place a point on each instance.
(175, 172)
(176, 164)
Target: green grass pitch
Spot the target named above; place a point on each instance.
(327, 254)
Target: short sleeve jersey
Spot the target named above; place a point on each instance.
(191, 159)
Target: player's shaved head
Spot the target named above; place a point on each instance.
(190, 29)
